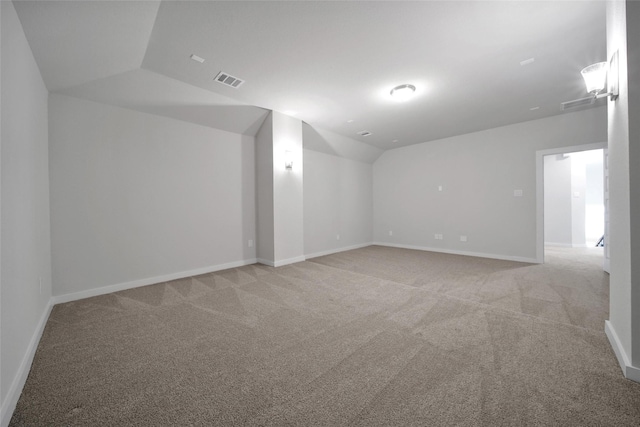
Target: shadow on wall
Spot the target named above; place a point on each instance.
(327, 142)
(232, 118)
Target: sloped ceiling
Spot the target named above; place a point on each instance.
(327, 63)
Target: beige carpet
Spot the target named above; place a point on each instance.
(372, 337)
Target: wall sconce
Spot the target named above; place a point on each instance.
(288, 160)
(597, 77)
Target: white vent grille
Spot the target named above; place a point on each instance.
(578, 102)
(364, 133)
(229, 80)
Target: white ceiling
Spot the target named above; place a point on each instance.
(328, 61)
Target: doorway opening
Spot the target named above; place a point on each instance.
(574, 199)
(571, 198)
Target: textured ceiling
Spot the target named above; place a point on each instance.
(325, 62)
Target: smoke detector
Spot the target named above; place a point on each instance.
(229, 80)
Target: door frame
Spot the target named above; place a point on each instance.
(540, 188)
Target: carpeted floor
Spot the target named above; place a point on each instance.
(371, 337)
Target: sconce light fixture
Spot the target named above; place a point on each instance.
(601, 75)
(288, 160)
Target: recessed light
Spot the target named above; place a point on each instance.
(196, 58)
(527, 61)
(395, 140)
(403, 92)
(534, 108)
(350, 121)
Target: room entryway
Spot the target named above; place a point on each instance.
(572, 194)
(574, 199)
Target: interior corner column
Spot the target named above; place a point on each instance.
(633, 66)
(279, 175)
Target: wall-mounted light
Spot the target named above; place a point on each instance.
(601, 75)
(288, 160)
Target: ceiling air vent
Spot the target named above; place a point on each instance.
(229, 80)
(364, 133)
(578, 102)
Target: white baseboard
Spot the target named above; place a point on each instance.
(335, 251)
(288, 261)
(282, 262)
(629, 371)
(266, 262)
(58, 299)
(465, 253)
(15, 390)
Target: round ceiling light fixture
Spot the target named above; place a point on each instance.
(403, 92)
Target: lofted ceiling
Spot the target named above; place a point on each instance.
(329, 63)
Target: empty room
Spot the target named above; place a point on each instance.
(340, 213)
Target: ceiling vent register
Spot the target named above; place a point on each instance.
(228, 80)
(578, 103)
(364, 133)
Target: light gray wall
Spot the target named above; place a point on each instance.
(338, 200)
(137, 197)
(557, 200)
(478, 173)
(25, 240)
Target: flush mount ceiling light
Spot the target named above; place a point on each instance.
(403, 92)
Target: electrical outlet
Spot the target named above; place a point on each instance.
(439, 187)
(337, 237)
(438, 237)
(390, 233)
(463, 238)
(250, 243)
